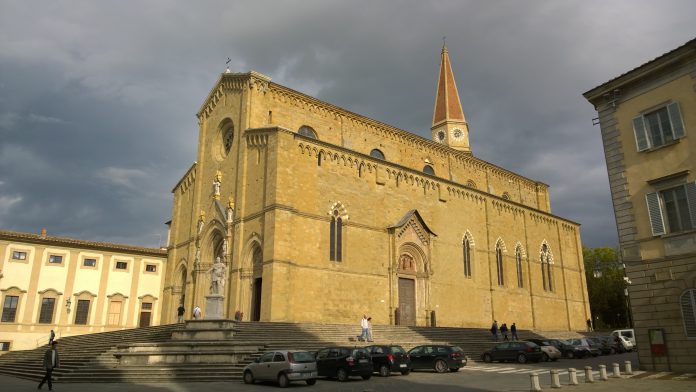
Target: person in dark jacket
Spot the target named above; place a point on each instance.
(494, 330)
(180, 313)
(513, 331)
(503, 331)
(51, 361)
(51, 337)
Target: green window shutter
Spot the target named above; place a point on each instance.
(691, 197)
(655, 212)
(676, 119)
(642, 141)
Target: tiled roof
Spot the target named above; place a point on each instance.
(75, 243)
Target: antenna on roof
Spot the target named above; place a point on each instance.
(227, 63)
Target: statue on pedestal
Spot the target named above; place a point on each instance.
(217, 277)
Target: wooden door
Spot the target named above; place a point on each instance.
(407, 301)
(145, 319)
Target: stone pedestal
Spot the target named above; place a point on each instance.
(214, 308)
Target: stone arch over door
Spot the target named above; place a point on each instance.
(251, 279)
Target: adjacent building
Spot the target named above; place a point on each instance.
(323, 215)
(648, 124)
(74, 287)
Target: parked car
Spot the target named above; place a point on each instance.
(437, 356)
(630, 334)
(625, 343)
(567, 350)
(607, 344)
(513, 351)
(548, 350)
(590, 346)
(344, 362)
(389, 358)
(282, 366)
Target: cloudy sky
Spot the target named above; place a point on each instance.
(98, 98)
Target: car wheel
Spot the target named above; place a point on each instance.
(405, 372)
(454, 369)
(612, 351)
(570, 355)
(248, 377)
(544, 357)
(283, 380)
(366, 376)
(440, 366)
(522, 358)
(384, 371)
(487, 358)
(555, 359)
(312, 381)
(342, 375)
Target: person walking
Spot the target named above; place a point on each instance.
(504, 331)
(369, 329)
(180, 312)
(365, 329)
(494, 330)
(589, 325)
(513, 331)
(51, 337)
(197, 312)
(51, 360)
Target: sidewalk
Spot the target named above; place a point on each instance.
(633, 385)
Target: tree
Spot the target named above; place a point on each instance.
(606, 292)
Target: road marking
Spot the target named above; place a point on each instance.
(658, 375)
(517, 371)
(684, 376)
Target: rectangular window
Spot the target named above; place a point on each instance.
(46, 314)
(9, 309)
(82, 312)
(89, 262)
(146, 306)
(659, 127)
(55, 259)
(4, 346)
(122, 265)
(19, 255)
(150, 268)
(114, 313)
(672, 210)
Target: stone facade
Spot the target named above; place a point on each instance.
(85, 287)
(316, 226)
(658, 244)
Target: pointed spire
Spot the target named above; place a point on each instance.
(447, 104)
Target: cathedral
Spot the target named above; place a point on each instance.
(322, 215)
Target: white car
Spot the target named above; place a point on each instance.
(282, 366)
(626, 343)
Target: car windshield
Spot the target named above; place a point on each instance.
(301, 357)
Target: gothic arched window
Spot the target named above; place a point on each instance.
(467, 257)
(335, 242)
(546, 268)
(499, 264)
(518, 263)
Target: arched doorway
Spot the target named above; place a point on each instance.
(181, 285)
(406, 271)
(257, 284)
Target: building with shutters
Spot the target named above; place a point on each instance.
(323, 215)
(648, 124)
(74, 287)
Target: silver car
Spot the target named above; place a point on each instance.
(282, 366)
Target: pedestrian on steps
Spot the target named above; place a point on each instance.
(504, 331)
(494, 330)
(365, 327)
(513, 331)
(180, 312)
(197, 312)
(51, 337)
(369, 330)
(50, 362)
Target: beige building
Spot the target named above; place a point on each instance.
(324, 215)
(648, 119)
(74, 287)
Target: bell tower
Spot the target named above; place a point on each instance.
(449, 125)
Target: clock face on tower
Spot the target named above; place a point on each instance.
(440, 136)
(457, 134)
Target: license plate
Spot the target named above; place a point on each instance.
(402, 365)
(309, 375)
(363, 361)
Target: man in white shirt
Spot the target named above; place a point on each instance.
(196, 312)
(51, 361)
(365, 329)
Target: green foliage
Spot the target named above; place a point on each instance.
(606, 293)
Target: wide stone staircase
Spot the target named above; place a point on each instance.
(199, 352)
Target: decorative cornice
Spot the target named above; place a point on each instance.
(74, 243)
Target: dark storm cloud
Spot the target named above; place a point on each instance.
(98, 99)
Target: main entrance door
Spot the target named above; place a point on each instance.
(407, 301)
(256, 300)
